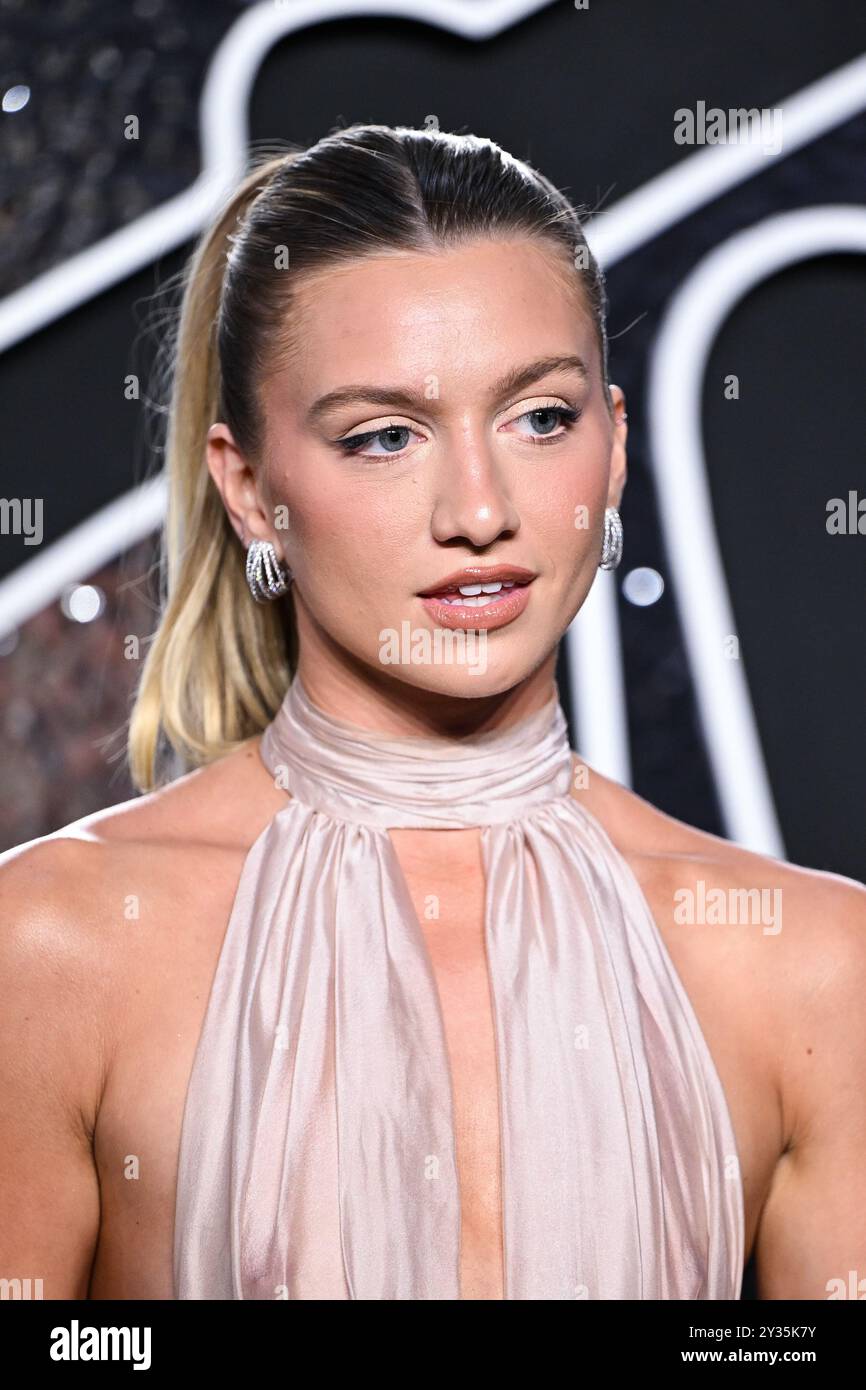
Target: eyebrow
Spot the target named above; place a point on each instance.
(409, 401)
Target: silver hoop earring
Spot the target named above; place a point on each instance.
(266, 577)
(611, 550)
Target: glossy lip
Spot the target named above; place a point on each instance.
(479, 574)
(496, 614)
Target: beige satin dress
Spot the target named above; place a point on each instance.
(317, 1151)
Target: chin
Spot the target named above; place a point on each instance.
(474, 672)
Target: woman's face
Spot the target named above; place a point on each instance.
(445, 411)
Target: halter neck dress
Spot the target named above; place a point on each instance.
(317, 1153)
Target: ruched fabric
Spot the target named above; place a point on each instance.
(317, 1155)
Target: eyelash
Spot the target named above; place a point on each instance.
(566, 414)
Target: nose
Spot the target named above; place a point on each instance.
(473, 502)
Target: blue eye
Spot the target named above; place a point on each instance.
(554, 414)
(393, 439)
(355, 442)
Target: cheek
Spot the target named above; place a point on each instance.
(564, 505)
(356, 527)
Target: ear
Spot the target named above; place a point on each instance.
(236, 483)
(618, 462)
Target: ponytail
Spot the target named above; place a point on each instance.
(219, 664)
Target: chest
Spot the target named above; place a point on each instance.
(448, 893)
(140, 1122)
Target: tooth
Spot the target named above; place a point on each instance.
(491, 588)
(470, 590)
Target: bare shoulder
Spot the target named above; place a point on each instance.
(104, 926)
(817, 901)
(65, 898)
(67, 882)
(786, 942)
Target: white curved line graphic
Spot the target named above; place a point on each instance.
(677, 366)
(83, 550)
(223, 108)
(593, 655)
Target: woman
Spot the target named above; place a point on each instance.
(388, 998)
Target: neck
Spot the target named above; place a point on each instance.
(349, 690)
(382, 778)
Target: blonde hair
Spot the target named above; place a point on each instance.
(219, 664)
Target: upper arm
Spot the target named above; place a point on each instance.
(51, 1065)
(811, 1240)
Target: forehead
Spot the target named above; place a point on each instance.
(465, 314)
